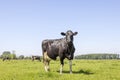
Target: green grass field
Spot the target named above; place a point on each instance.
(82, 70)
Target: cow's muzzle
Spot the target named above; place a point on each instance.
(70, 57)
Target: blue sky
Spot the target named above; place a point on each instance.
(25, 23)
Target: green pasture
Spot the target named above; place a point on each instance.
(82, 70)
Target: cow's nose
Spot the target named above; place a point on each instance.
(70, 57)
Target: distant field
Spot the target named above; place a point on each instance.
(82, 70)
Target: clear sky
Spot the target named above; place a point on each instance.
(25, 23)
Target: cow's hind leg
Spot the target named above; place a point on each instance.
(46, 62)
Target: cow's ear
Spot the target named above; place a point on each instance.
(62, 33)
(75, 33)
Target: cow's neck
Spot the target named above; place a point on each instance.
(70, 45)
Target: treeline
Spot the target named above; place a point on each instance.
(98, 56)
(9, 55)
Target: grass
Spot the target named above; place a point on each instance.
(82, 70)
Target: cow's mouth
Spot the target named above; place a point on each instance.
(69, 57)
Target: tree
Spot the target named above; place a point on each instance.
(21, 57)
(98, 56)
(6, 54)
(13, 56)
(0, 56)
(27, 57)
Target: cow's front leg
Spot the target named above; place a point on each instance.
(70, 64)
(61, 66)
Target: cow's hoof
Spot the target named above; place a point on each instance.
(70, 72)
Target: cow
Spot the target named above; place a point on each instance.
(63, 47)
(36, 58)
(6, 58)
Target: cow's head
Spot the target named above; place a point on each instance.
(69, 35)
(69, 39)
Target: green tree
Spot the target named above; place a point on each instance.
(6, 54)
(98, 56)
(13, 56)
(21, 57)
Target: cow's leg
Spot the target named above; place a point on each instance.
(46, 62)
(40, 60)
(70, 64)
(3, 59)
(46, 66)
(32, 58)
(61, 66)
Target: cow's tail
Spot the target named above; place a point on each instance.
(43, 51)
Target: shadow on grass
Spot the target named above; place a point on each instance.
(86, 72)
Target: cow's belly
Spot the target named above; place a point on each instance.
(52, 54)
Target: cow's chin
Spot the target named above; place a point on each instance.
(69, 58)
(70, 43)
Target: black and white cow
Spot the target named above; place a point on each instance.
(6, 58)
(36, 58)
(64, 48)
